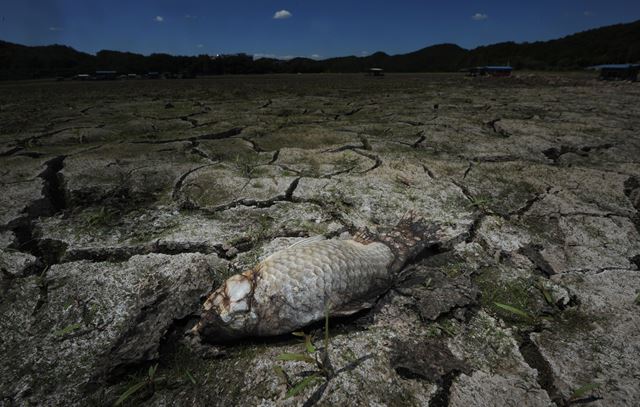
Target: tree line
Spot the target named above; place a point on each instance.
(618, 43)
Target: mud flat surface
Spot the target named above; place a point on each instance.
(124, 203)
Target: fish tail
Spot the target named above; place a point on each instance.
(410, 238)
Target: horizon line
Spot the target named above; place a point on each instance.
(310, 57)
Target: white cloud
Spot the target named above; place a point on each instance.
(55, 29)
(479, 17)
(159, 19)
(315, 56)
(199, 46)
(259, 55)
(279, 15)
(273, 56)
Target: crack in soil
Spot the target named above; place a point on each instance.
(274, 158)
(11, 151)
(532, 252)
(349, 113)
(608, 215)
(26, 240)
(358, 150)
(428, 171)
(53, 194)
(29, 140)
(197, 151)
(254, 146)
(411, 122)
(415, 144)
(465, 191)
(86, 109)
(266, 104)
(528, 204)
(441, 397)
(30, 154)
(554, 153)
(475, 226)
(184, 117)
(286, 197)
(632, 192)
(493, 159)
(211, 136)
(364, 145)
(499, 131)
(124, 253)
(177, 188)
(545, 377)
(466, 172)
(419, 141)
(375, 158)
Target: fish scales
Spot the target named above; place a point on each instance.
(336, 272)
(293, 287)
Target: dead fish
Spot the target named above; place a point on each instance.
(293, 287)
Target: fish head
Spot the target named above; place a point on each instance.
(227, 312)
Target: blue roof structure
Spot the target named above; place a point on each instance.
(498, 68)
(615, 66)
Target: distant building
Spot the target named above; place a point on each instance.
(105, 75)
(375, 72)
(82, 77)
(620, 72)
(490, 71)
(152, 75)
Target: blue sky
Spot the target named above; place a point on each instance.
(305, 28)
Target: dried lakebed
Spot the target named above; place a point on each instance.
(125, 203)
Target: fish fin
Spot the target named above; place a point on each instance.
(307, 241)
(411, 236)
(364, 236)
(351, 308)
(364, 301)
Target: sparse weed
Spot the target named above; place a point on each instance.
(545, 293)
(480, 202)
(67, 329)
(518, 300)
(439, 329)
(319, 358)
(311, 355)
(102, 217)
(244, 165)
(582, 391)
(190, 377)
(514, 310)
(148, 382)
(453, 270)
(258, 230)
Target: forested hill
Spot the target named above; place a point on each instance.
(612, 44)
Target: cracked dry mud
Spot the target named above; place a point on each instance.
(124, 204)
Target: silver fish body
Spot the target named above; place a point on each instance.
(293, 287)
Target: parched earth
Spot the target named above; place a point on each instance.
(124, 203)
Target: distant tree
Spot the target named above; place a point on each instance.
(612, 44)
